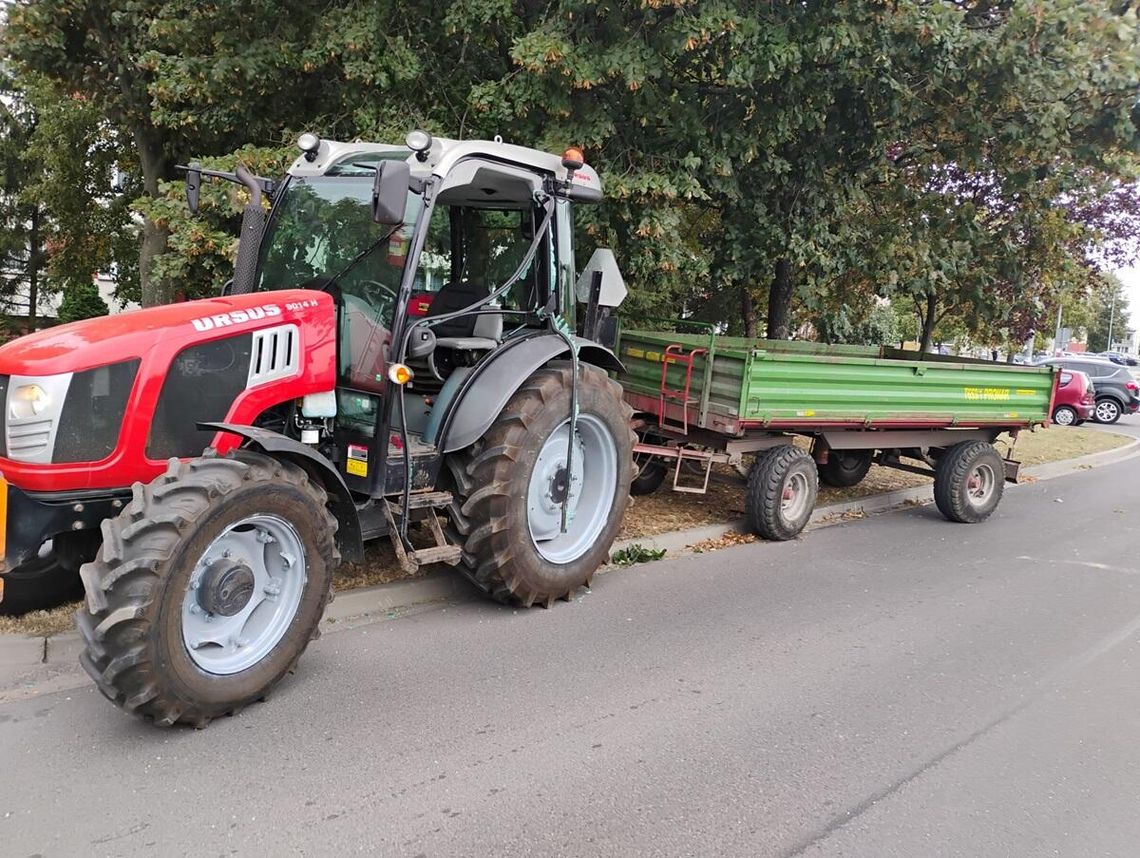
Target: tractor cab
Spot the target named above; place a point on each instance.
(475, 253)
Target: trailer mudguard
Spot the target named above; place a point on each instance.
(275, 444)
(485, 390)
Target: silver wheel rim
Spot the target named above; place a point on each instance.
(1064, 417)
(1105, 411)
(980, 485)
(590, 488)
(267, 550)
(794, 497)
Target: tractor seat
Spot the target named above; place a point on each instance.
(467, 333)
(485, 334)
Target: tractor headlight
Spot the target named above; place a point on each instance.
(28, 400)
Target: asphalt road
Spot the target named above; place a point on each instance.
(897, 686)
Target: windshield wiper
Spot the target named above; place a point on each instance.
(364, 254)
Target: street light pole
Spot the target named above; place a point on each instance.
(1111, 319)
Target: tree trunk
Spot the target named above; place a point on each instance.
(928, 320)
(748, 311)
(780, 300)
(33, 268)
(153, 162)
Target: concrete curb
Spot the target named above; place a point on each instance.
(19, 653)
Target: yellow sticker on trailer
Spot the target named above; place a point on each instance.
(356, 467)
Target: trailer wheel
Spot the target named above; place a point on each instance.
(650, 476)
(208, 587)
(509, 486)
(781, 493)
(969, 481)
(845, 468)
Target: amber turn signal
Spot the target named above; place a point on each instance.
(400, 374)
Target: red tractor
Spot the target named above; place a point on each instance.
(397, 347)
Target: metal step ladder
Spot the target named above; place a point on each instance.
(676, 354)
(442, 551)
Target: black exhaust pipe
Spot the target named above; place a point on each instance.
(252, 229)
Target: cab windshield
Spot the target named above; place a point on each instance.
(321, 225)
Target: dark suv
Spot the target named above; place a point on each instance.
(1116, 390)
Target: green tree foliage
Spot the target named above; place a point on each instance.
(1108, 313)
(787, 163)
(81, 301)
(22, 252)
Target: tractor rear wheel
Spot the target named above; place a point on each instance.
(509, 488)
(208, 587)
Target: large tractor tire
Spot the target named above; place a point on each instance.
(781, 493)
(509, 486)
(38, 585)
(208, 587)
(52, 579)
(969, 481)
(845, 468)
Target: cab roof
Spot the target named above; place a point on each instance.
(443, 155)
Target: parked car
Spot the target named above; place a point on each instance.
(1117, 392)
(1076, 398)
(1119, 359)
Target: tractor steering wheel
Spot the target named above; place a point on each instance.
(375, 286)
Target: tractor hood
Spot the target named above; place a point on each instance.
(95, 342)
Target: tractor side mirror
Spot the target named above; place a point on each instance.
(422, 343)
(390, 192)
(193, 187)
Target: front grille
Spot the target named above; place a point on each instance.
(276, 354)
(93, 411)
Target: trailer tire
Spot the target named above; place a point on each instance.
(782, 488)
(493, 484)
(845, 468)
(969, 481)
(140, 608)
(649, 478)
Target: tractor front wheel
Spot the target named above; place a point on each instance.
(208, 587)
(510, 488)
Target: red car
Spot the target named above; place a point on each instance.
(1076, 399)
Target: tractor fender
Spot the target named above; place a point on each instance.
(280, 446)
(485, 390)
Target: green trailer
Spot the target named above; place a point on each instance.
(701, 398)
